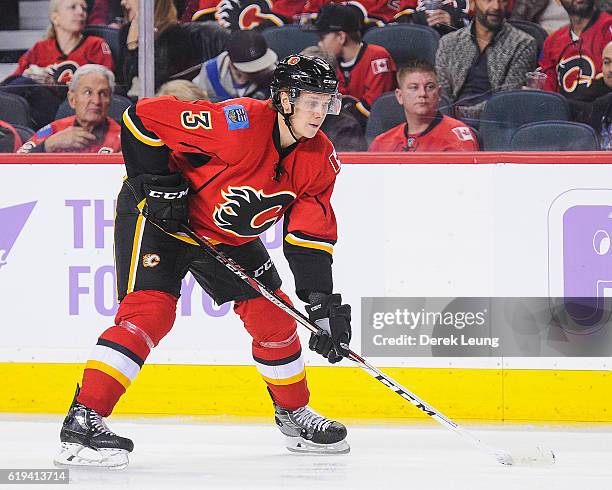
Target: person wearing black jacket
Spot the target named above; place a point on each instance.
(174, 50)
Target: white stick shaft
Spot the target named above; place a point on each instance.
(356, 358)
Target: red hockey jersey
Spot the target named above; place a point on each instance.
(443, 134)
(108, 137)
(242, 182)
(383, 10)
(288, 9)
(573, 64)
(371, 75)
(47, 54)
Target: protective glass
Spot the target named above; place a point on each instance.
(318, 102)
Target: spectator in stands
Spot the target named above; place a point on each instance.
(199, 11)
(10, 140)
(182, 90)
(550, 14)
(425, 129)
(244, 70)
(571, 57)
(443, 15)
(46, 68)
(485, 57)
(365, 71)
(173, 48)
(602, 107)
(104, 12)
(344, 130)
(372, 12)
(90, 130)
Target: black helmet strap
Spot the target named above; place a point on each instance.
(286, 116)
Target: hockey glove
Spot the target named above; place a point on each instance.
(334, 319)
(166, 201)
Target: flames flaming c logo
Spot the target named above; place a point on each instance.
(248, 212)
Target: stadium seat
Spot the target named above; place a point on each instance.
(14, 109)
(289, 39)
(118, 105)
(405, 41)
(506, 111)
(24, 132)
(554, 136)
(387, 113)
(110, 35)
(534, 30)
(446, 105)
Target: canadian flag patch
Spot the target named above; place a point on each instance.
(105, 48)
(463, 133)
(381, 65)
(335, 161)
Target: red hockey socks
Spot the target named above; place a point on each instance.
(143, 319)
(276, 350)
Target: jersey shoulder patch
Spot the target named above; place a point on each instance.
(236, 116)
(45, 131)
(463, 133)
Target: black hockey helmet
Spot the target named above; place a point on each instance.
(298, 72)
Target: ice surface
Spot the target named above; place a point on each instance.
(181, 454)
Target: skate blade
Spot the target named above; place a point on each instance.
(73, 455)
(300, 445)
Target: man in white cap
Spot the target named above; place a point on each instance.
(243, 70)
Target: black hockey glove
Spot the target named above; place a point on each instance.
(334, 319)
(166, 200)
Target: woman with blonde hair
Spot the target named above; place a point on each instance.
(44, 71)
(173, 47)
(182, 90)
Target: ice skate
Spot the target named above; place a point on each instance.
(308, 432)
(87, 441)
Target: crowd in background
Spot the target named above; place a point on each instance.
(77, 81)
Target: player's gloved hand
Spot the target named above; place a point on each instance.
(166, 200)
(334, 319)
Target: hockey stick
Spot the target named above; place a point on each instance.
(539, 456)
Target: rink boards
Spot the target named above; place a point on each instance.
(414, 230)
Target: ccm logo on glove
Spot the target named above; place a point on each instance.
(168, 195)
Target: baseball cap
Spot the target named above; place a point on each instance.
(334, 17)
(249, 52)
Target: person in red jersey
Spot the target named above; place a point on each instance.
(232, 169)
(90, 130)
(244, 14)
(44, 71)
(374, 12)
(425, 129)
(571, 57)
(365, 71)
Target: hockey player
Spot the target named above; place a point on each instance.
(232, 169)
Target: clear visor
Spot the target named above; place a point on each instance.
(318, 102)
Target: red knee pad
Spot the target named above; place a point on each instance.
(151, 312)
(273, 331)
(265, 321)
